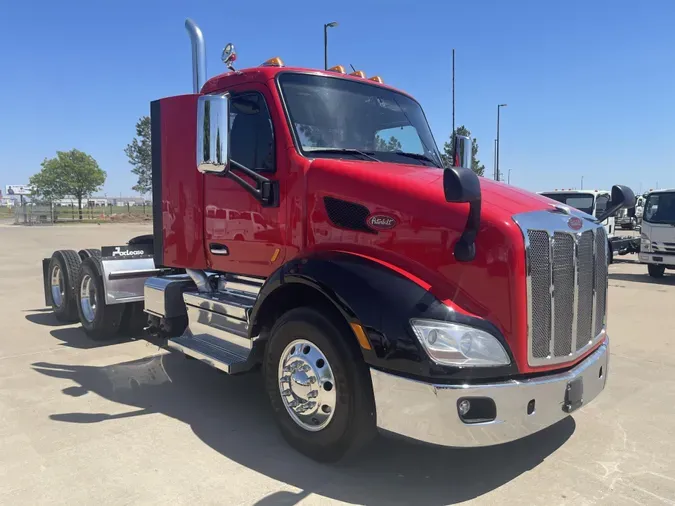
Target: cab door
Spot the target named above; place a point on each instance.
(242, 236)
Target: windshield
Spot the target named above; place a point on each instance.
(581, 201)
(660, 208)
(335, 117)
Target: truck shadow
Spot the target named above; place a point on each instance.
(45, 318)
(231, 415)
(642, 278)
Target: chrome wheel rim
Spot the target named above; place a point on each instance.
(58, 290)
(88, 298)
(307, 385)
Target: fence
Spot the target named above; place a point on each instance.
(46, 215)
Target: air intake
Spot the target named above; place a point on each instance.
(348, 215)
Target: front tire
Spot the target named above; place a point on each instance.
(63, 271)
(656, 271)
(99, 321)
(318, 385)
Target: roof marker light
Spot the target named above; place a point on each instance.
(358, 73)
(377, 79)
(337, 68)
(273, 62)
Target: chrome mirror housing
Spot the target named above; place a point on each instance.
(213, 133)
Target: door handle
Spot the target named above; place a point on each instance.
(219, 249)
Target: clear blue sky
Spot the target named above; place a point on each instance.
(589, 84)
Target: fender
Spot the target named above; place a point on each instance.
(383, 301)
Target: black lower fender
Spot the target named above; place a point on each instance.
(383, 301)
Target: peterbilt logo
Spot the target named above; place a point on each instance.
(118, 252)
(381, 221)
(575, 223)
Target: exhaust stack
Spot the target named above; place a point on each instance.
(198, 55)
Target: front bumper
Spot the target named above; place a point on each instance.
(429, 412)
(657, 258)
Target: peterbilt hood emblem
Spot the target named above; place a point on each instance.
(575, 223)
(381, 221)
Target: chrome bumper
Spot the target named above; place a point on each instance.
(429, 412)
(657, 258)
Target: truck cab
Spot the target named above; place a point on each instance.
(657, 233)
(305, 225)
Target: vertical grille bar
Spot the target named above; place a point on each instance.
(600, 280)
(540, 302)
(564, 288)
(585, 274)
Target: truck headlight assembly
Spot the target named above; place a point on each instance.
(645, 243)
(455, 344)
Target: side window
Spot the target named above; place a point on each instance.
(251, 134)
(601, 204)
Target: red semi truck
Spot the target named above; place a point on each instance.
(374, 287)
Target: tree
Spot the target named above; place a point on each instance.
(71, 173)
(449, 147)
(140, 155)
(392, 145)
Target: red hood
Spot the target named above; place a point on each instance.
(492, 286)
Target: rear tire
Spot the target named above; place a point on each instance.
(64, 268)
(99, 321)
(656, 271)
(344, 422)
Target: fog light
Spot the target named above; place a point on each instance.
(464, 406)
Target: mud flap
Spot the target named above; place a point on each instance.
(46, 282)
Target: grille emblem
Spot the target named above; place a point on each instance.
(575, 223)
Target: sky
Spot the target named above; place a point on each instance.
(589, 85)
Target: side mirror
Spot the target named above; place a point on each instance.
(213, 133)
(622, 196)
(461, 184)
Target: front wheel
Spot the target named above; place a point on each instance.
(656, 271)
(99, 320)
(318, 385)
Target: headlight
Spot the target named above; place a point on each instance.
(455, 344)
(645, 243)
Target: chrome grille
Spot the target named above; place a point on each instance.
(566, 285)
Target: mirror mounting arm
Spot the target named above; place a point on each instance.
(265, 190)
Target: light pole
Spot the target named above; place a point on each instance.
(333, 24)
(509, 179)
(582, 183)
(499, 106)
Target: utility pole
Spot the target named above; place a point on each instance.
(453, 91)
(509, 178)
(582, 183)
(499, 106)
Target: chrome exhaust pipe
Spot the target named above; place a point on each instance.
(200, 278)
(198, 55)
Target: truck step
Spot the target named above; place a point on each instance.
(211, 351)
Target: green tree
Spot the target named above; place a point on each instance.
(71, 173)
(139, 153)
(392, 145)
(449, 147)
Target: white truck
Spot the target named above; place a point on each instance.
(657, 236)
(594, 203)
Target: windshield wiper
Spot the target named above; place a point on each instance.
(348, 151)
(417, 156)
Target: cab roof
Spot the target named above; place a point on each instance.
(266, 73)
(592, 192)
